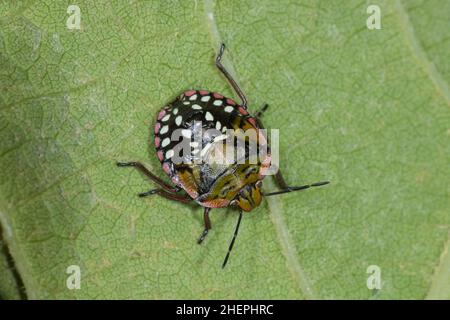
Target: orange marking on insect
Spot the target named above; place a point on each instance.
(166, 168)
(243, 111)
(157, 127)
(189, 93)
(161, 114)
(217, 203)
(231, 101)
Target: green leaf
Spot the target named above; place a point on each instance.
(9, 288)
(366, 109)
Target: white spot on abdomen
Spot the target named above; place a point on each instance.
(164, 129)
(209, 116)
(165, 142)
(169, 154)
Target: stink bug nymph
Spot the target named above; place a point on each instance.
(210, 184)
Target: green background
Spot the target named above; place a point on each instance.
(368, 110)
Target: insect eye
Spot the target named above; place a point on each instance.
(233, 202)
(258, 184)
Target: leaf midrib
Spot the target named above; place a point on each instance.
(287, 244)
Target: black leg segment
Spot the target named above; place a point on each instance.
(207, 225)
(260, 112)
(229, 77)
(139, 166)
(171, 196)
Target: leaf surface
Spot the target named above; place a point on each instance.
(368, 110)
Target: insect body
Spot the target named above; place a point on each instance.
(206, 122)
(212, 184)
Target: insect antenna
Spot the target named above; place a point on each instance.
(232, 241)
(290, 189)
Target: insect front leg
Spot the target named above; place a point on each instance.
(279, 179)
(260, 112)
(281, 183)
(285, 188)
(229, 77)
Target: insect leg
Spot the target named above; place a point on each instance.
(150, 175)
(284, 188)
(207, 225)
(279, 179)
(260, 112)
(163, 193)
(229, 77)
(278, 176)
